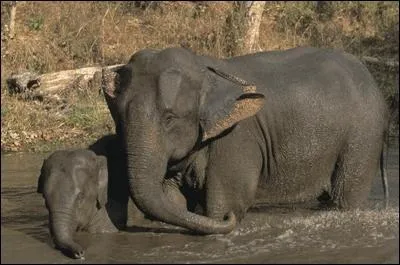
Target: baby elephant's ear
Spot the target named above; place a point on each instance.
(102, 182)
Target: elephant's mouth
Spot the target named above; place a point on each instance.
(181, 165)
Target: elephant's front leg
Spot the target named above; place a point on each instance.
(230, 192)
(232, 178)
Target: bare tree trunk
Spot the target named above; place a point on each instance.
(247, 22)
(252, 26)
(13, 13)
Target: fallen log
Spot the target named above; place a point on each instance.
(391, 63)
(49, 86)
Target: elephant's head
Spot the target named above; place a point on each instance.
(74, 186)
(167, 104)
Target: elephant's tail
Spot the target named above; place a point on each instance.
(383, 167)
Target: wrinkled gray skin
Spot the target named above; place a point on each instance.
(314, 120)
(172, 187)
(111, 147)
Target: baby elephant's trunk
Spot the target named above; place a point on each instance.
(62, 228)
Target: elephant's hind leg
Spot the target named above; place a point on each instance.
(354, 171)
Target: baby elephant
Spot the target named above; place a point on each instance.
(74, 185)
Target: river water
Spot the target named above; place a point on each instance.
(268, 234)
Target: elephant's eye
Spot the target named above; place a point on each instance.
(169, 119)
(80, 196)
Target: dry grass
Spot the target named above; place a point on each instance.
(54, 36)
(32, 126)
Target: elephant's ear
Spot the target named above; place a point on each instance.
(102, 183)
(110, 84)
(114, 81)
(42, 178)
(226, 100)
(40, 184)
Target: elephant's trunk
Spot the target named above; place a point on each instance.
(62, 228)
(147, 165)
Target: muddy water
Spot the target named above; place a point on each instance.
(268, 234)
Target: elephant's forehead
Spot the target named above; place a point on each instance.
(163, 62)
(65, 162)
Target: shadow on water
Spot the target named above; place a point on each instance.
(297, 233)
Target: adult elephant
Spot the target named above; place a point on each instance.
(281, 126)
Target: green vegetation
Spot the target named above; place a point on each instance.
(36, 23)
(55, 36)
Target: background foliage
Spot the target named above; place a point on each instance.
(54, 36)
